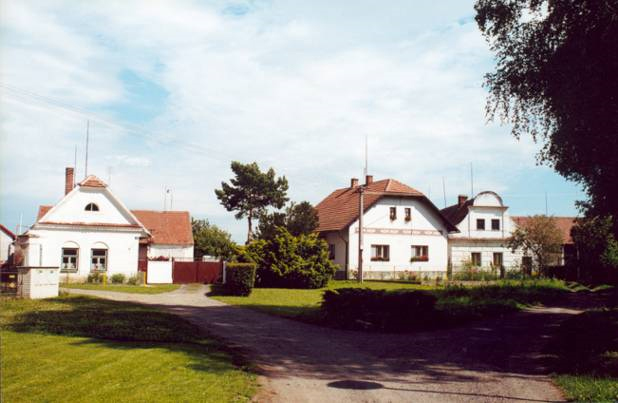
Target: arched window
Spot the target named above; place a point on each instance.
(91, 207)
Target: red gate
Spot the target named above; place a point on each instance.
(196, 272)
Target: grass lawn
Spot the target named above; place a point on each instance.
(457, 303)
(132, 289)
(80, 349)
(586, 351)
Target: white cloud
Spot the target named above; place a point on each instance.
(290, 87)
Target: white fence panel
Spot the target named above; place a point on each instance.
(159, 272)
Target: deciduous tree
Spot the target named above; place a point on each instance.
(539, 236)
(556, 78)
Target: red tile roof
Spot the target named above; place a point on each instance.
(340, 209)
(564, 224)
(166, 227)
(93, 182)
(7, 231)
(456, 212)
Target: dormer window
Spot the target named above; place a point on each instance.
(91, 207)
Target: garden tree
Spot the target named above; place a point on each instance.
(289, 261)
(540, 236)
(301, 218)
(555, 78)
(208, 239)
(597, 250)
(251, 191)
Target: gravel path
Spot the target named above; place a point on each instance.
(489, 361)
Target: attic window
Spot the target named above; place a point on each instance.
(91, 207)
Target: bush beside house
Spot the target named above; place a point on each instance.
(240, 278)
(289, 261)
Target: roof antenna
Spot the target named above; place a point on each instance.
(75, 165)
(366, 155)
(109, 175)
(87, 139)
(444, 191)
(471, 182)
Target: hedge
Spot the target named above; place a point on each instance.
(378, 309)
(240, 278)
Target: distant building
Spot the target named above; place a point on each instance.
(90, 230)
(6, 241)
(484, 226)
(403, 230)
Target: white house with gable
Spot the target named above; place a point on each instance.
(484, 226)
(403, 230)
(91, 230)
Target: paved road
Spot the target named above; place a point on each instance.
(492, 361)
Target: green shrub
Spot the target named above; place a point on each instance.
(133, 280)
(95, 277)
(240, 278)
(289, 261)
(117, 278)
(378, 309)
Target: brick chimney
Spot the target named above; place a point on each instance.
(354, 182)
(68, 180)
(461, 199)
(368, 179)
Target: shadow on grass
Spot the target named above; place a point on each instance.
(120, 325)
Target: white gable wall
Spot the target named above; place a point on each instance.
(470, 240)
(423, 229)
(72, 208)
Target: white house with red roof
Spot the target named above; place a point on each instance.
(90, 230)
(403, 231)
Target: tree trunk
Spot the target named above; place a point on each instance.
(250, 230)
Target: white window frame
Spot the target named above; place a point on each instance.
(380, 253)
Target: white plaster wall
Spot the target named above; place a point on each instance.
(171, 251)
(5, 245)
(159, 272)
(71, 209)
(39, 282)
(338, 239)
(462, 252)
(122, 248)
(423, 219)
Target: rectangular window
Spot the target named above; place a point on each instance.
(480, 223)
(99, 260)
(495, 224)
(497, 259)
(420, 253)
(476, 259)
(408, 211)
(331, 251)
(393, 213)
(380, 253)
(69, 260)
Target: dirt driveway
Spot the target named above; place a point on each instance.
(492, 361)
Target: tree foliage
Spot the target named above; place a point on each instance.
(290, 261)
(539, 236)
(301, 218)
(211, 240)
(251, 191)
(597, 249)
(555, 78)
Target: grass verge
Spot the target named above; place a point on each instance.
(456, 304)
(83, 349)
(131, 289)
(586, 356)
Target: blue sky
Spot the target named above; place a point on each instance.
(176, 90)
